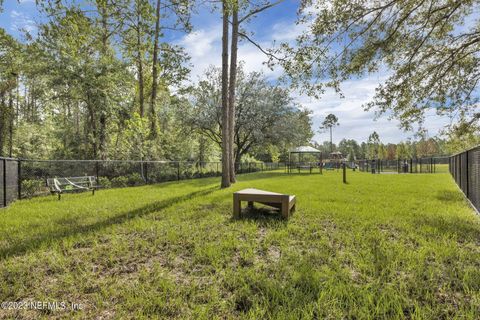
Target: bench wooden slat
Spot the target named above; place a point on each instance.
(284, 202)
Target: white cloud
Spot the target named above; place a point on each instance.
(287, 31)
(204, 47)
(22, 22)
(355, 123)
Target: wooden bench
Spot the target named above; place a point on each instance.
(71, 184)
(284, 202)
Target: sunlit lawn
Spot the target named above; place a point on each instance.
(381, 246)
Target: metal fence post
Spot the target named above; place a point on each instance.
(344, 168)
(178, 170)
(146, 172)
(4, 182)
(467, 175)
(19, 179)
(96, 169)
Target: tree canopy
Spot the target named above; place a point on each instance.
(429, 49)
(265, 114)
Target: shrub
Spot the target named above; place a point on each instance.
(135, 179)
(120, 182)
(31, 187)
(104, 182)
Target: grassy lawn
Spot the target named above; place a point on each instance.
(382, 246)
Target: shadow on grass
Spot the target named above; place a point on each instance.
(449, 196)
(263, 217)
(35, 241)
(206, 181)
(464, 230)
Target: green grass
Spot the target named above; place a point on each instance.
(381, 246)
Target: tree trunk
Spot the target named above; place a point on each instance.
(331, 142)
(10, 123)
(153, 98)
(141, 94)
(102, 132)
(225, 110)
(3, 120)
(93, 127)
(17, 107)
(231, 94)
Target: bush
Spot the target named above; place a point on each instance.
(31, 187)
(135, 179)
(104, 182)
(120, 182)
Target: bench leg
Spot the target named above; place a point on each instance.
(237, 206)
(285, 210)
(59, 196)
(93, 192)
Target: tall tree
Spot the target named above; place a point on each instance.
(233, 7)
(264, 116)
(374, 146)
(153, 97)
(225, 105)
(9, 70)
(328, 123)
(232, 85)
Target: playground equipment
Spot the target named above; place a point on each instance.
(304, 158)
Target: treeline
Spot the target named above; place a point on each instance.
(100, 81)
(373, 148)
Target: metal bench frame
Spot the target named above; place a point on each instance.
(71, 184)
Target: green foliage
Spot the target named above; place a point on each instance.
(120, 182)
(32, 187)
(373, 145)
(265, 114)
(350, 147)
(35, 141)
(429, 48)
(329, 122)
(104, 182)
(130, 180)
(135, 179)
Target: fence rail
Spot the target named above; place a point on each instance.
(414, 165)
(465, 170)
(21, 178)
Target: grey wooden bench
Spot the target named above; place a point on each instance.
(71, 184)
(284, 202)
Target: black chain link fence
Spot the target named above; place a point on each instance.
(419, 165)
(465, 169)
(21, 178)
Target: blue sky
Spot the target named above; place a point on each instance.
(276, 24)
